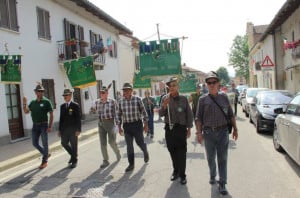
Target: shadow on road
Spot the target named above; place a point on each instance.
(18, 182)
(177, 189)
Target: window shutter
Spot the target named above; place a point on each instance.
(47, 25)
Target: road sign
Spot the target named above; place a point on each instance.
(267, 62)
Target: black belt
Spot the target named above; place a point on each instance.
(216, 128)
(40, 123)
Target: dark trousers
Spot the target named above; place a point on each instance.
(150, 122)
(235, 109)
(132, 131)
(70, 142)
(177, 146)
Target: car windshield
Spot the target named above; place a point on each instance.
(252, 92)
(275, 98)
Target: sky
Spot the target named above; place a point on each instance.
(209, 25)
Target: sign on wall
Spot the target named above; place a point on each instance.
(10, 68)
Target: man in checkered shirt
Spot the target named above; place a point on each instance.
(131, 114)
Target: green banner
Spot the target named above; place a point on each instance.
(81, 72)
(160, 59)
(140, 82)
(187, 83)
(10, 68)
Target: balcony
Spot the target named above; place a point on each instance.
(73, 49)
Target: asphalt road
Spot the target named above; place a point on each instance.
(255, 170)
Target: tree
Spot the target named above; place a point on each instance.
(223, 75)
(238, 56)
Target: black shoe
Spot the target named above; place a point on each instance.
(73, 165)
(212, 180)
(105, 164)
(129, 168)
(146, 157)
(151, 136)
(183, 181)
(222, 189)
(174, 177)
(70, 161)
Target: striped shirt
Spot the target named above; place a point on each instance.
(209, 114)
(107, 109)
(131, 110)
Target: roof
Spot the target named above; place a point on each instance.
(90, 7)
(283, 14)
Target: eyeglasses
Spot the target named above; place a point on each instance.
(173, 85)
(211, 82)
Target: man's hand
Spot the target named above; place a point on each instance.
(77, 133)
(146, 128)
(235, 134)
(188, 133)
(199, 137)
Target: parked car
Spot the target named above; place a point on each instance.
(286, 136)
(242, 95)
(262, 113)
(250, 94)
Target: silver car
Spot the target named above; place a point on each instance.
(248, 100)
(286, 136)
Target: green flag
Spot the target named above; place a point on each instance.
(10, 68)
(81, 72)
(160, 59)
(139, 82)
(187, 83)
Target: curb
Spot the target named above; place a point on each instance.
(15, 161)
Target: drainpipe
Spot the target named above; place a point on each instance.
(275, 61)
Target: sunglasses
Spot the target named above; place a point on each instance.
(211, 82)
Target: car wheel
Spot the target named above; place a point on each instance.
(257, 127)
(276, 143)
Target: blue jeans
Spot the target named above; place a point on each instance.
(216, 143)
(37, 131)
(150, 122)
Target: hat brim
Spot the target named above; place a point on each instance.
(67, 94)
(211, 78)
(126, 88)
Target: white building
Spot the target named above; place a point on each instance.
(41, 31)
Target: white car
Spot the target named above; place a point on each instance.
(286, 136)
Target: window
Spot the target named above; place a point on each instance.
(8, 15)
(113, 49)
(43, 23)
(48, 84)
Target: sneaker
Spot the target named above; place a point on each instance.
(43, 165)
(222, 189)
(105, 164)
(73, 165)
(174, 176)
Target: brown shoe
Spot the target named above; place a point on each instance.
(43, 165)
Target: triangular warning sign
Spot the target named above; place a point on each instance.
(267, 62)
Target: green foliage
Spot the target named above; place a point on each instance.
(223, 75)
(238, 56)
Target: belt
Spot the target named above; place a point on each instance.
(216, 128)
(46, 122)
(108, 119)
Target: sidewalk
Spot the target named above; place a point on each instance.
(14, 154)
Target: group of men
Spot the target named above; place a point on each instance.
(212, 113)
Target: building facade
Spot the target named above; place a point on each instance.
(46, 33)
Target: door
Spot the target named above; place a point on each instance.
(14, 114)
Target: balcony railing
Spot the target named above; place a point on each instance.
(73, 49)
